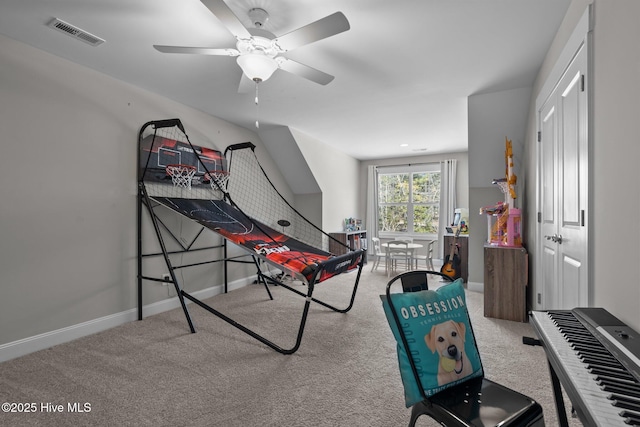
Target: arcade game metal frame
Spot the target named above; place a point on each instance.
(209, 202)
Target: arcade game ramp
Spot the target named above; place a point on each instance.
(231, 195)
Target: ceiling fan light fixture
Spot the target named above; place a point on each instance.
(256, 66)
(258, 16)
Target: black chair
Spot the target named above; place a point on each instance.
(476, 402)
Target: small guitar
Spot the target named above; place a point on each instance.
(451, 266)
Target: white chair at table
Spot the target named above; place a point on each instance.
(397, 253)
(411, 251)
(378, 254)
(428, 258)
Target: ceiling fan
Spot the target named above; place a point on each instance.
(258, 51)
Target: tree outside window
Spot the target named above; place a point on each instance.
(408, 202)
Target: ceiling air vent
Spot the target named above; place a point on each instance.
(75, 32)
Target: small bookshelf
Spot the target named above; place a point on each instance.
(353, 239)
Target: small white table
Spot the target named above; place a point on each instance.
(411, 247)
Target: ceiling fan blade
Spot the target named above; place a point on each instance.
(318, 30)
(305, 71)
(196, 50)
(220, 9)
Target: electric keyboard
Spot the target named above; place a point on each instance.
(596, 358)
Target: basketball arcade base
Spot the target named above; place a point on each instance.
(238, 203)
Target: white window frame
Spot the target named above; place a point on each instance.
(410, 169)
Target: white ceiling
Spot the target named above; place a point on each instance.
(403, 71)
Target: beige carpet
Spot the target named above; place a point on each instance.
(155, 373)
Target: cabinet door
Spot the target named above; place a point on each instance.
(505, 283)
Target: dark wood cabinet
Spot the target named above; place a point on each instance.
(353, 239)
(505, 282)
(463, 252)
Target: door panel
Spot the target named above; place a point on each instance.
(563, 186)
(573, 246)
(548, 167)
(570, 152)
(570, 282)
(547, 147)
(549, 274)
(573, 284)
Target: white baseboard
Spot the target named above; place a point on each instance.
(475, 286)
(60, 336)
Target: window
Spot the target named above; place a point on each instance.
(409, 199)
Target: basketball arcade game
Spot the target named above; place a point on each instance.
(231, 195)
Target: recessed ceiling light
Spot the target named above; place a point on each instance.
(404, 145)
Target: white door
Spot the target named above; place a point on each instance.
(562, 190)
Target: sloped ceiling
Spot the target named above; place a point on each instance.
(403, 71)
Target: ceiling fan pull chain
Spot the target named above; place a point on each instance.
(257, 107)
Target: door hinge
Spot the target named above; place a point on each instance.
(582, 83)
(539, 217)
(539, 136)
(582, 217)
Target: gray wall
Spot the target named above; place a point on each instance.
(337, 176)
(69, 189)
(492, 118)
(616, 150)
(68, 211)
